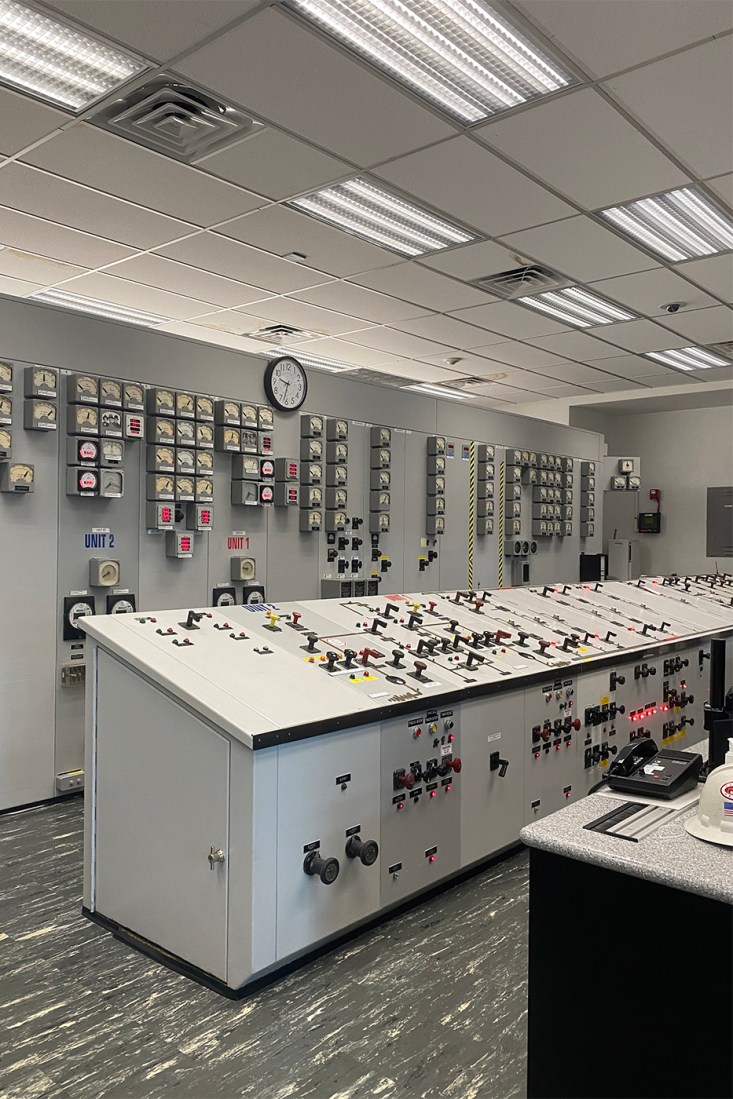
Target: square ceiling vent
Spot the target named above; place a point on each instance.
(176, 119)
(283, 333)
(531, 278)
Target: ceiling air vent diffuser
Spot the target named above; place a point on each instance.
(279, 333)
(517, 283)
(175, 119)
(725, 349)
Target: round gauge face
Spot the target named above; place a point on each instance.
(184, 459)
(384, 479)
(249, 414)
(87, 416)
(341, 498)
(88, 481)
(184, 404)
(268, 469)
(204, 460)
(340, 518)
(164, 485)
(341, 475)
(384, 499)
(164, 456)
(266, 494)
(440, 503)
(164, 399)
(231, 437)
(342, 428)
(122, 606)
(205, 486)
(5, 439)
(86, 386)
(525, 455)
(225, 599)
(342, 452)
(21, 474)
(314, 471)
(440, 484)
(164, 429)
(254, 597)
(204, 434)
(315, 518)
(315, 496)
(46, 411)
(384, 457)
(204, 407)
(6, 373)
(109, 573)
(385, 436)
(440, 465)
(286, 384)
(384, 522)
(185, 430)
(111, 390)
(6, 406)
(316, 448)
(316, 425)
(88, 451)
(44, 379)
(439, 526)
(231, 410)
(134, 393)
(185, 486)
(77, 611)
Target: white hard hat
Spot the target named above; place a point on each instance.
(714, 820)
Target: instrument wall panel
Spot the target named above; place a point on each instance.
(229, 520)
(491, 806)
(453, 545)
(312, 806)
(392, 544)
(28, 556)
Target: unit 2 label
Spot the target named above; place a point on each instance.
(99, 538)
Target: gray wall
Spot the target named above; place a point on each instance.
(682, 453)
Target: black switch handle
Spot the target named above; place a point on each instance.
(496, 763)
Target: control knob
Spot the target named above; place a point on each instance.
(326, 869)
(456, 764)
(366, 850)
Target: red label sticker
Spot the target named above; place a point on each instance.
(727, 790)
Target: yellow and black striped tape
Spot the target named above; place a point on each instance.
(471, 509)
(500, 540)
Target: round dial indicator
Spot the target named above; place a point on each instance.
(204, 460)
(286, 384)
(205, 486)
(314, 471)
(5, 439)
(231, 436)
(184, 459)
(204, 434)
(184, 404)
(164, 399)
(164, 456)
(44, 379)
(164, 429)
(111, 390)
(249, 415)
(204, 407)
(185, 486)
(122, 606)
(45, 411)
(340, 474)
(21, 474)
(185, 429)
(88, 481)
(87, 386)
(134, 394)
(164, 485)
(87, 416)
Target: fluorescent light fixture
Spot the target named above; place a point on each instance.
(57, 62)
(438, 391)
(577, 306)
(359, 207)
(688, 358)
(314, 362)
(98, 308)
(678, 225)
(463, 56)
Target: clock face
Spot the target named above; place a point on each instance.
(286, 384)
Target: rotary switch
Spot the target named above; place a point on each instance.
(365, 850)
(326, 869)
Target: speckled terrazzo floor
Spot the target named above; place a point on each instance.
(431, 1003)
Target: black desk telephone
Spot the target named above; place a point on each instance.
(640, 768)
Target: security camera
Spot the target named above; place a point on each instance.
(673, 306)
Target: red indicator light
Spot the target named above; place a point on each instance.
(431, 858)
(451, 737)
(417, 733)
(448, 788)
(400, 805)
(433, 793)
(632, 629)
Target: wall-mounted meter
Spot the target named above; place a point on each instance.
(626, 465)
(16, 477)
(380, 458)
(41, 381)
(160, 402)
(160, 487)
(587, 469)
(205, 436)
(265, 419)
(588, 484)
(111, 423)
(40, 416)
(286, 469)
(103, 573)
(311, 427)
(484, 507)
(286, 495)
(110, 392)
(199, 517)
(159, 459)
(311, 520)
(513, 492)
(378, 523)
(380, 436)
(587, 530)
(81, 481)
(336, 475)
(111, 483)
(133, 397)
(633, 482)
(336, 520)
(380, 478)
(336, 498)
(134, 426)
(311, 496)
(245, 493)
(185, 406)
(436, 444)
(203, 488)
(121, 603)
(6, 444)
(530, 476)
(618, 484)
(204, 461)
(6, 410)
(75, 608)
(435, 505)
(253, 593)
(381, 501)
(160, 516)
(267, 469)
(485, 452)
(337, 452)
(484, 526)
(184, 488)
(248, 414)
(82, 389)
(6, 377)
(162, 430)
(223, 596)
(266, 494)
(228, 439)
(514, 474)
(229, 413)
(311, 473)
(435, 524)
(246, 467)
(204, 408)
(337, 429)
(436, 486)
(185, 461)
(249, 441)
(485, 471)
(185, 433)
(178, 544)
(265, 444)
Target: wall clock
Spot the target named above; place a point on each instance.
(286, 384)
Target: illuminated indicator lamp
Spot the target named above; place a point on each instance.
(433, 793)
(400, 805)
(417, 733)
(431, 858)
(451, 737)
(448, 788)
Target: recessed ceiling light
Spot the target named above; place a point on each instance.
(577, 306)
(314, 362)
(688, 358)
(438, 391)
(678, 225)
(359, 207)
(57, 62)
(105, 309)
(461, 55)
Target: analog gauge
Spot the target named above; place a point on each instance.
(384, 522)
(164, 456)
(87, 416)
(440, 503)
(185, 405)
(44, 379)
(6, 410)
(113, 482)
(249, 415)
(184, 486)
(440, 484)
(384, 499)
(525, 457)
(231, 411)
(110, 391)
(6, 440)
(164, 486)
(111, 422)
(204, 487)
(315, 497)
(384, 479)
(204, 408)
(87, 387)
(21, 474)
(316, 448)
(340, 519)
(204, 461)
(231, 437)
(314, 471)
(185, 431)
(109, 573)
(316, 425)
(440, 465)
(384, 457)
(164, 429)
(265, 418)
(251, 467)
(112, 451)
(164, 400)
(77, 611)
(439, 525)
(340, 475)
(342, 452)
(204, 435)
(133, 395)
(88, 480)
(250, 442)
(385, 436)
(342, 428)
(184, 460)
(6, 376)
(44, 412)
(340, 498)
(122, 606)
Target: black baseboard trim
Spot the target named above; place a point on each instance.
(42, 804)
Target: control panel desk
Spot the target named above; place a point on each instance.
(630, 960)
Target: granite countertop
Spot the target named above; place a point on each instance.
(669, 856)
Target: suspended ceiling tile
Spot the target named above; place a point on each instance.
(46, 196)
(275, 164)
(670, 377)
(581, 249)
(518, 379)
(309, 317)
(715, 273)
(190, 282)
(716, 374)
(282, 71)
(40, 269)
(572, 373)
(121, 168)
(648, 291)
(399, 344)
(508, 319)
(196, 331)
(232, 322)
(470, 183)
(160, 30)
(280, 230)
(613, 35)
(575, 345)
(344, 351)
(470, 364)
(559, 391)
(686, 101)
(418, 371)
(607, 383)
(108, 288)
(475, 261)
(723, 188)
(641, 335)
(446, 330)
(626, 366)
(357, 301)
(32, 234)
(414, 283)
(583, 147)
(519, 396)
(18, 288)
(237, 261)
(25, 121)
(704, 325)
(524, 355)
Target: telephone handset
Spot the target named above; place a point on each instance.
(632, 758)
